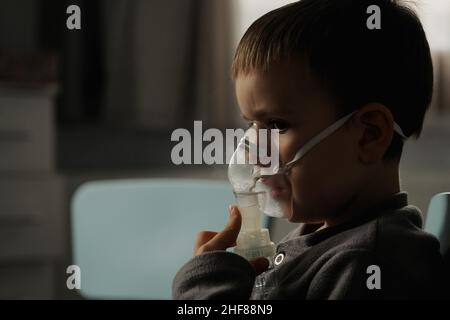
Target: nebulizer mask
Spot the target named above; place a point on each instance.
(253, 195)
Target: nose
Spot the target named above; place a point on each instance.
(264, 148)
(261, 147)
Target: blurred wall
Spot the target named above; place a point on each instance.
(21, 17)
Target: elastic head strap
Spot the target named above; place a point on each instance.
(324, 134)
(317, 139)
(399, 131)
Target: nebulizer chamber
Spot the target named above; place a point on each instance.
(253, 240)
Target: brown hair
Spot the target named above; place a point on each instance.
(391, 65)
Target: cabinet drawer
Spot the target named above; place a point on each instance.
(27, 281)
(26, 132)
(31, 218)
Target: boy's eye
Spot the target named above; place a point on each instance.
(276, 124)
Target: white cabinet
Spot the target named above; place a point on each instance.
(32, 209)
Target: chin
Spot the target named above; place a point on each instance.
(303, 215)
(295, 216)
(295, 219)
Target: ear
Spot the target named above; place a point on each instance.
(376, 125)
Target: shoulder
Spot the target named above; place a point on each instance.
(392, 233)
(408, 258)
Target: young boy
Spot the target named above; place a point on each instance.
(299, 69)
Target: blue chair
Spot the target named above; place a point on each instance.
(438, 220)
(131, 236)
(438, 224)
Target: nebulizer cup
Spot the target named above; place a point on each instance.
(253, 240)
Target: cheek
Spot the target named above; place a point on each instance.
(322, 181)
(289, 145)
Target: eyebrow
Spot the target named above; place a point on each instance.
(263, 115)
(256, 115)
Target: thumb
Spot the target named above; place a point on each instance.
(227, 237)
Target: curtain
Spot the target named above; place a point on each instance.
(168, 63)
(146, 61)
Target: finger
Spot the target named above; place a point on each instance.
(260, 265)
(202, 238)
(227, 237)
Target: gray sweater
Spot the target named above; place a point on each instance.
(332, 263)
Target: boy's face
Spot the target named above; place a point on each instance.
(290, 99)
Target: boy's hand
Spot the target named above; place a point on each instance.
(211, 241)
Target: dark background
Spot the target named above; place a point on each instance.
(114, 91)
